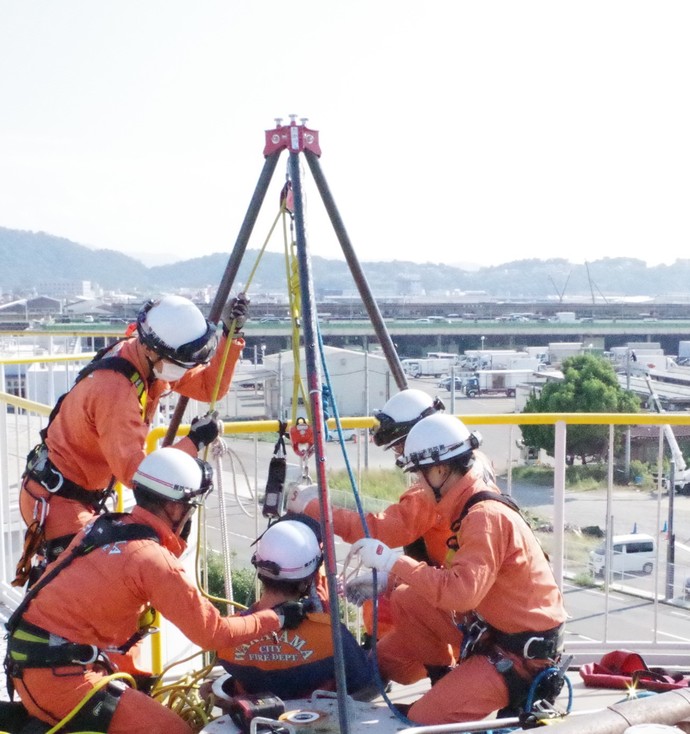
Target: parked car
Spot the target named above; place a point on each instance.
(446, 382)
(349, 434)
(631, 554)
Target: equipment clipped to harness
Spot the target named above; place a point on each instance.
(302, 438)
(276, 477)
(104, 530)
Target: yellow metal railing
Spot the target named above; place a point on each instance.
(24, 409)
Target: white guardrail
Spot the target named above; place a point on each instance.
(563, 518)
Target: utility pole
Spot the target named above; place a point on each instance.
(627, 430)
(671, 548)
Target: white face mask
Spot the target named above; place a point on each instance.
(168, 371)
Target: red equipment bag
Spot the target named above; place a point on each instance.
(627, 669)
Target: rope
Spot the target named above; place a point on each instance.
(183, 697)
(97, 687)
(227, 567)
(360, 510)
(294, 300)
(203, 587)
(228, 342)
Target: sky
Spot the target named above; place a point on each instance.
(461, 132)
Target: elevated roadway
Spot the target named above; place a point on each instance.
(413, 337)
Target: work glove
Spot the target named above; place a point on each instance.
(374, 554)
(299, 496)
(361, 587)
(291, 614)
(234, 315)
(204, 430)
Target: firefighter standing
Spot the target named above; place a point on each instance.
(97, 431)
(496, 599)
(83, 607)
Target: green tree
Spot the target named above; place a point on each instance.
(590, 385)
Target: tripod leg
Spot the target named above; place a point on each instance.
(315, 397)
(230, 271)
(357, 273)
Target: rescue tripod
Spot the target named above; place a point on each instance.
(297, 138)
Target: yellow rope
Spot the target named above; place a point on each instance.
(294, 301)
(101, 683)
(226, 351)
(184, 698)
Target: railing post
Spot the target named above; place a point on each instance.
(559, 502)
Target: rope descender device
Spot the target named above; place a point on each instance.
(302, 438)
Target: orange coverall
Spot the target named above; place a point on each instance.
(500, 571)
(99, 432)
(415, 515)
(98, 599)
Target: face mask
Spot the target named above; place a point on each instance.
(168, 371)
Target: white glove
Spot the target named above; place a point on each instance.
(300, 495)
(374, 554)
(361, 588)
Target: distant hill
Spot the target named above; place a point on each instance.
(31, 257)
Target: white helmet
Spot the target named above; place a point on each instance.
(400, 413)
(288, 551)
(436, 439)
(177, 330)
(171, 474)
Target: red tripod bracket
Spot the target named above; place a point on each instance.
(294, 137)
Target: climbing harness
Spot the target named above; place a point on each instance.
(481, 496)
(40, 469)
(103, 362)
(30, 646)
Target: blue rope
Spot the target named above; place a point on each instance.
(532, 689)
(360, 510)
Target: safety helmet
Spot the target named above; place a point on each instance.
(400, 413)
(177, 331)
(173, 475)
(287, 551)
(436, 439)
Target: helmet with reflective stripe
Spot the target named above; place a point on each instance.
(175, 329)
(400, 413)
(288, 551)
(173, 475)
(437, 439)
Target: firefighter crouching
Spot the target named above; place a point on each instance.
(496, 599)
(89, 602)
(416, 522)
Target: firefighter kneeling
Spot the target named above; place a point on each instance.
(496, 599)
(89, 601)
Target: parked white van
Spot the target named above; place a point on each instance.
(629, 554)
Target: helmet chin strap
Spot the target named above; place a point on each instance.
(436, 490)
(178, 526)
(150, 362)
